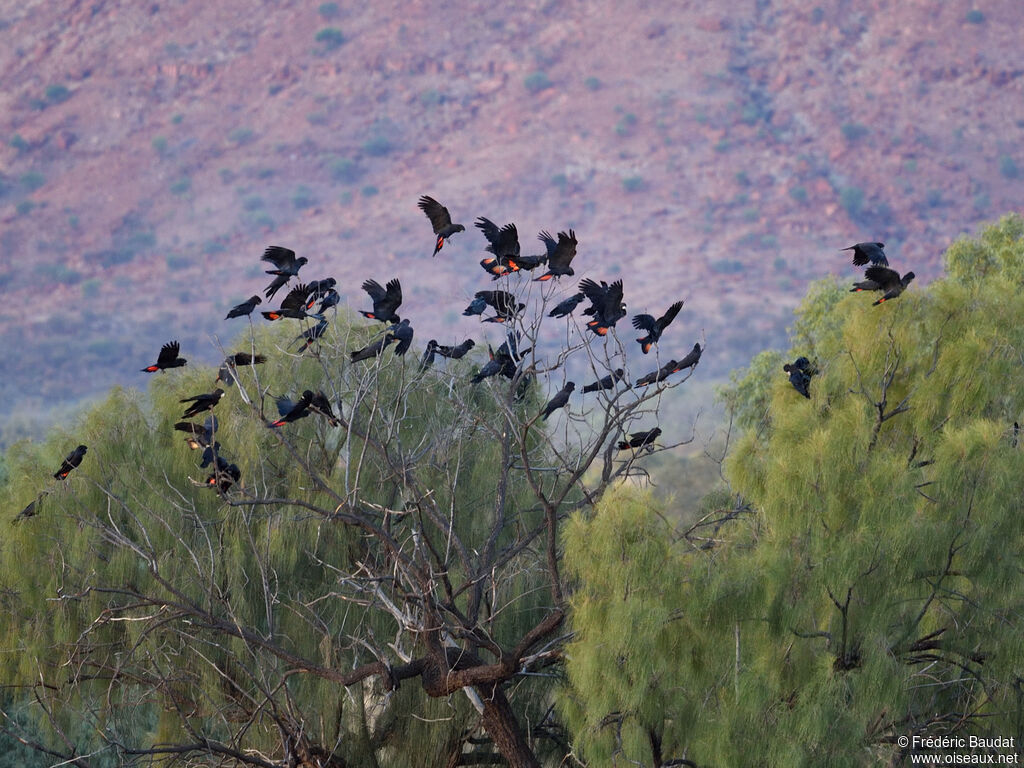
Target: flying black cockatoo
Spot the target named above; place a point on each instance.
(440, 220)
(245, 308)
(168, 358)
(868, 252)
(654, 327)
(71, 461)
(309, 402)
(504, 244)
(385, 301)
(560, 254)
(565, 307)
(607, 382)
(290, 410)
(201, 403)
(883, 279)
(640, 439)
(559, 400)
(606, 304)
(293, 305)
(286, 266)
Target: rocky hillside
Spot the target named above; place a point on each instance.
(717, 152)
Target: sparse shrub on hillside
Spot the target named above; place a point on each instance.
(57, 273)
(91, 288)
(25, 207)
(1008, 167)
(241, 136)
(317, 118)
(852, 200)
(331, 38)
(592, 83)
(346, 170)
(214, 245)
(974, 16)
(226, 175)
(369, 190)
(31, 181)
(634, 184)
(329, 10)
(177, 118)
(798, 193)
(727, 266)
(303, 197)
(253, 203)
(431, 98)
(181, 186)
(57, 93)
(378, 145)
(177, 262)
(537, 81)
(933, 198)
(625, 125)
(160, 145)
(853, 131)
(18, 142)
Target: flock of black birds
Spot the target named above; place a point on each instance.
(877, 277)
(309, 301)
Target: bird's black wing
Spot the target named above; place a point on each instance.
(168, 353)
(394, 292)
(564, 252)
(439, 217)
(375, 290)
(670, 315)
(296, 298)
(884, 277)
(282, 258)
(644, 323)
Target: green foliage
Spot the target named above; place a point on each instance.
(278, 556)
(974, 16)
(866, 586)
(592, 83)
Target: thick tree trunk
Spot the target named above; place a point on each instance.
(502, 726)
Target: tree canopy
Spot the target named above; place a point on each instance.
(863, 582)
(382, 590)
